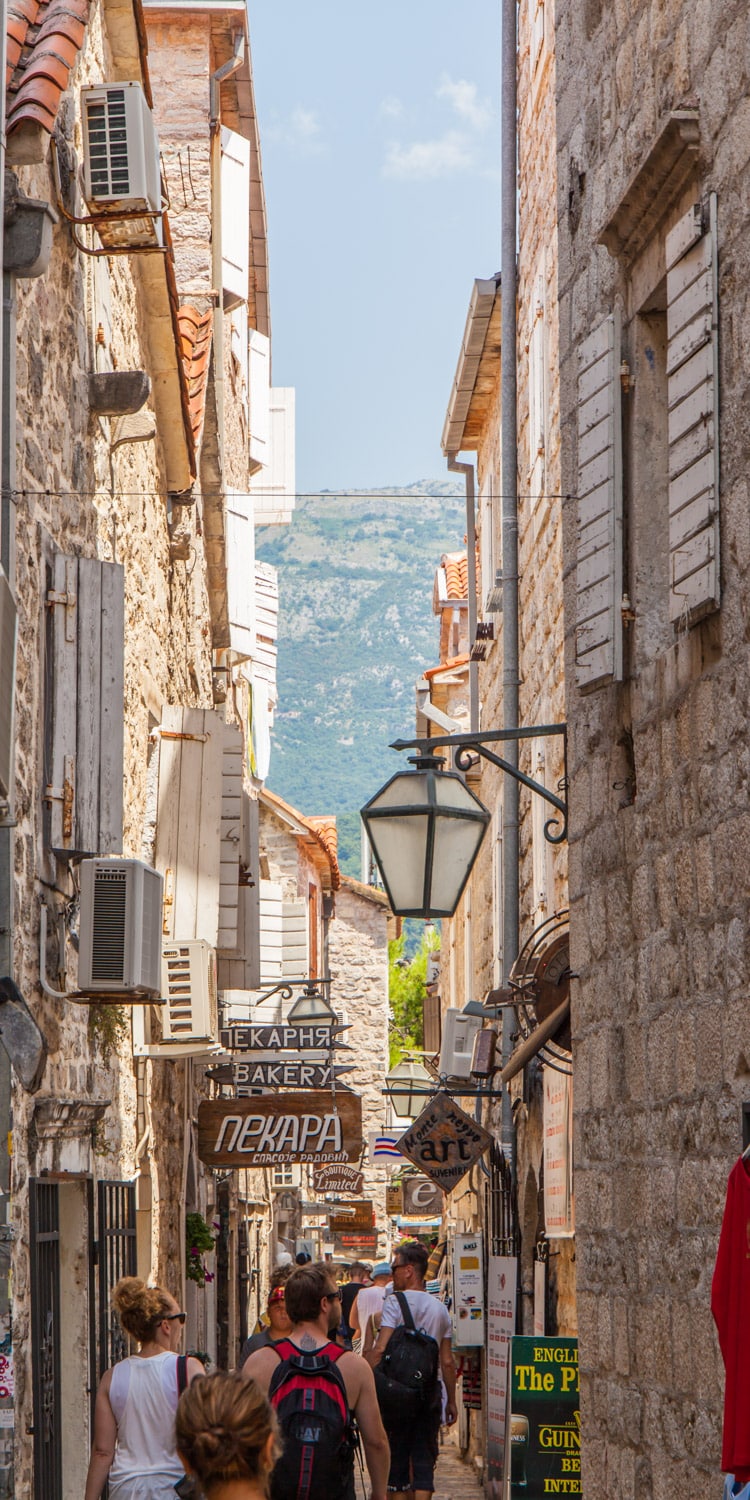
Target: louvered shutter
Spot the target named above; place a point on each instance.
(270, 933)
(235, 217)
(266, 626)
(86, 714)
(259, 371)
(692, 394)
(599, 515)
(231, 835)
(188, 821)
(294, 959)
(240, 552)
(274, 487)
(239, 966)
(8, 634)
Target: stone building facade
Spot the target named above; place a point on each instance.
(120, 512)
(653, 153)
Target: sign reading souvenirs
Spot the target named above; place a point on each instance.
(444, 1142)
(423, 1199)
(271, 1130)
(280, 1073)
(338, 1179)
(545, 1438)
(358, 1217)
(312, 1037)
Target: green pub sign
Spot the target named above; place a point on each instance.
(544, 1435)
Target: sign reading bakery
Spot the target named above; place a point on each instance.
(270, 1131)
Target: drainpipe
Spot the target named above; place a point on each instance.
(216, 80)
(471, 558)
(7, 558)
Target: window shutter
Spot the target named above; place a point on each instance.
(266, 626)
(240, 553)
(294, 960)
(239, 964)
(85, 789)
(270, 933)
(260, 399)
(235, 217)
(599, 543)
(188, 821)
(487, 539)
(231, 836)
(274, 487)
(8, 634)
(692, 395)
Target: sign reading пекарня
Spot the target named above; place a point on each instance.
(272, 1129)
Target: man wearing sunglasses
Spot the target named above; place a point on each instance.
(279, 1321)
(314, 1305)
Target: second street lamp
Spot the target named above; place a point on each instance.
(409, 1086)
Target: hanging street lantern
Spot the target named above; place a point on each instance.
(425, 828)
(311, 1006)
(409, 1086)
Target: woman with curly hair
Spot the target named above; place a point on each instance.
(134, 1436)
(226, 1437)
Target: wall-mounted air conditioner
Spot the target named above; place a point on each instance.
(457, 1047)
(121, 164)
(8, 630)
(120, 936)
(187, 1023)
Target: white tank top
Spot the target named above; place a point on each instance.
(143, 1396)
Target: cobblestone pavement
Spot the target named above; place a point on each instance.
(455, 1480)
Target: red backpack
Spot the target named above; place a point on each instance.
(307, 1392)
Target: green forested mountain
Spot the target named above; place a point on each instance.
(356, 629)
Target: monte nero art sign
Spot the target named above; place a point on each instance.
(268, 1131)
(444, 1142)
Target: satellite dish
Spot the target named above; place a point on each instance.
(21, 1037)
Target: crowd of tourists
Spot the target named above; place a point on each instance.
(337, 1380)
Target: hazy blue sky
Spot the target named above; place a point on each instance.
(380, 137)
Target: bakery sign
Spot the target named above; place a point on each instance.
(273, 1130)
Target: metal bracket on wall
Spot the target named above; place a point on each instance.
(464, 745)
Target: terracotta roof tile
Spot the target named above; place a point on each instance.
(44, 38)
(456, 574)
(195, 346)
(322, 831)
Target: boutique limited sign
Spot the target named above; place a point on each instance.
(270, 1131)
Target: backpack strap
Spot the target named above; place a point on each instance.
(406, 1312)
(182, 1374)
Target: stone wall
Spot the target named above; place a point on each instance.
(658, 911)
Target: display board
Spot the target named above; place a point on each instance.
(544, 1448)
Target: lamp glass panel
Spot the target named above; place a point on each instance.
(400, 845)
(456, 843)
(451, 791)
(408, 789)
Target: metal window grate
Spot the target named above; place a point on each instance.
(116, 1258)
(44, 1258)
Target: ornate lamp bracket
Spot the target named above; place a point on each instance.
(466, 745)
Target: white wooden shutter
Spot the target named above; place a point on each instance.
(240, 553)
(599, 515)
(85, 753)
(239, 347)
(294, 959)
(188, 821)
(270, 933)
(487, 542)
(274, 487)
(259, 368)
(235, 216)
(231, 835)
(266, 626)
(692, 394)
(239, 966)
(8, 635)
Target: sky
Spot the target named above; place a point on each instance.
(380, 139)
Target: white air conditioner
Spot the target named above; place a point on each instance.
(457, 1047)
(121, 164)
(187, 1023)
(8, 632)
(120, 936)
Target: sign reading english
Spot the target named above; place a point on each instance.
(269, 1131)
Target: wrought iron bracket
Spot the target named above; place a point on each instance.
(464, 745)
(287, 987)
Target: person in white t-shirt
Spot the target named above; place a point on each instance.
(368, 1304)
(414, 1448)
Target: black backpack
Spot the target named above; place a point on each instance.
(307, 1392)
(406, 1380)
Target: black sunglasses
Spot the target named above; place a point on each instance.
(174, 1317)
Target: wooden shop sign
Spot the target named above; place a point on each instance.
(361, 1243)
(275, 1129)
(304, 1038)
(422, 1198)
(394, 1203)
(338, 1178)
(280, 1073)
(444, 1142)
(359, 1217)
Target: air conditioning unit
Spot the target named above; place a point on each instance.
(8, 632)
(187, 1023)
(120, 935)
(456, 1051)
(121, 164)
